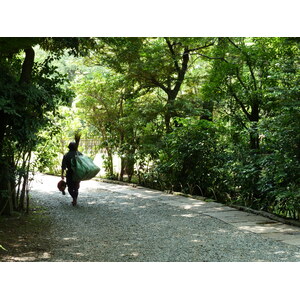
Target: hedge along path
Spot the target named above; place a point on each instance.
(129, 223)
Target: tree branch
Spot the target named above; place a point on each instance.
(252, 74)
(160, 85)
(209, 57)
(241, 81)
(202, 47)
(247, 61)
(239, 102)
(235, 45)
(170, 46)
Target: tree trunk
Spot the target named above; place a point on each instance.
(254, 118)
(254, 138)
(173, 92)
(3, 125)
(24, 190)
(27, 66)
(122, 171)
(167, 122)
(110, 166)
(130, 164)
(7, 184)
(127, 166)
(6, 206)
(12, 178)
(4, 178)
(169, 110)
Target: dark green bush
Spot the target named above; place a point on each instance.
(190, 159)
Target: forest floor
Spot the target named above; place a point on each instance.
(121, 223)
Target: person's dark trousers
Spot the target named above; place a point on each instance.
(73, 187)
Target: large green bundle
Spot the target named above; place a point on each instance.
(83, 168)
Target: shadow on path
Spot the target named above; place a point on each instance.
(119, 223)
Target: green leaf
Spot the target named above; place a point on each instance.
(1, 247)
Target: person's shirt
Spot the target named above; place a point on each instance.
(66, 161)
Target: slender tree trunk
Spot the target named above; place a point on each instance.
(127, 166)
(20, 179)
(254, 146)
(3, 125)
(168, 122)
(254, 118)
(122, 171)
(6, 206)
(254, 138)
(23, 192)
(169, 110)
(27, 182)
(110, 166)
(25, 176)
(130, 164)
(12, 178)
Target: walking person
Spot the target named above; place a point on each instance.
(73, 186)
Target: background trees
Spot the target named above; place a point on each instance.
(254, 82)
(154, 63)
(245, 90)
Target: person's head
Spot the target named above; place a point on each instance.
(72, 146)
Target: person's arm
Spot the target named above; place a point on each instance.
(63, 167)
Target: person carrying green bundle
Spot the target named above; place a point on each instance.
(73, 185)
(79, 167)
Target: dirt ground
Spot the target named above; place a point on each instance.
(24, 237)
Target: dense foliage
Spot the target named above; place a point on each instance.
(30, 93)
(216, 117)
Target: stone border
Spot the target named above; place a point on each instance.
(241, 208)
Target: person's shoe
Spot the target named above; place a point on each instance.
(74, 202)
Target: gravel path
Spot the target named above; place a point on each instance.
(114, 223)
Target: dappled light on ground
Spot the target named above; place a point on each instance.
(124, 223)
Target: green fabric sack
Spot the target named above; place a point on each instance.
(83, 168)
